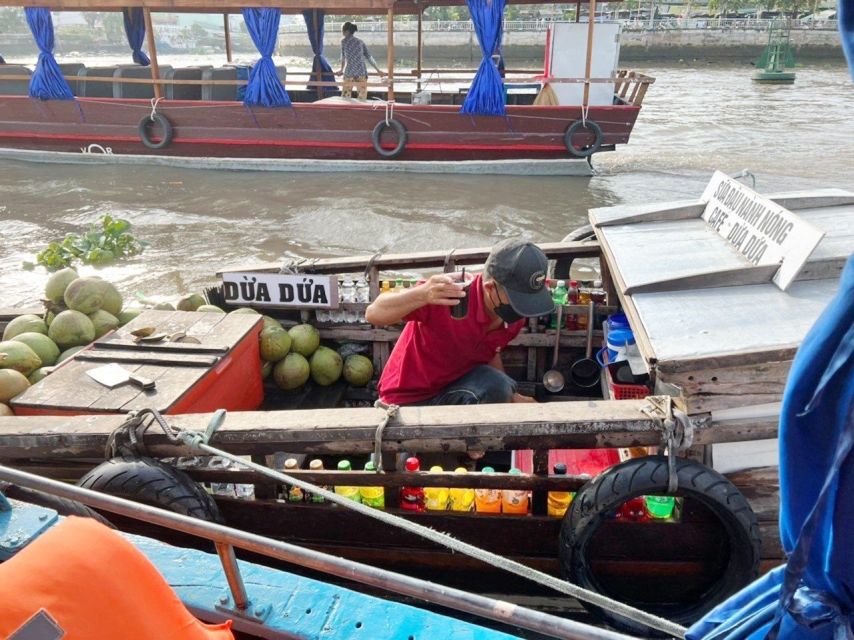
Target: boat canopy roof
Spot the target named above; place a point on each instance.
(693, 301)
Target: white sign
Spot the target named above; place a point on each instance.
(301, 291)
(760, 231)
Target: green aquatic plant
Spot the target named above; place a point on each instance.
(106, 241)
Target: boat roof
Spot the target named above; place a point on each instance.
(694, 302)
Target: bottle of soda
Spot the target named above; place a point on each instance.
(348, 492)
(363, 295)
(660, 507)
(294, 494)
(461, 499)
(372, 496)
(515, 501)
(559, 297)
(633, 510)
(385, 287)
(412, 498)
(316, 465)
(583, 298)
(436, 498)
(572, 298)
(487, 500)
(559, 501)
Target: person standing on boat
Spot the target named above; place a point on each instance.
(354, 54)
(442, 360)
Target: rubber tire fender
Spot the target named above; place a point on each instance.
(63, 506)
(151, 482)
(147, 124)
(572, 129)
(377, 133)
(597, 499)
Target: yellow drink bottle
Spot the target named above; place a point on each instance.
(372, 496)
(461, 499)
(436, 498)
(348, 492)
(514, 501)
(559, 501)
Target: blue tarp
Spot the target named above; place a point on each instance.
(135, 32)
(812, 596)
(264, 88)
(320, 67)
(47, 82)
(486, 94)
(845, 16)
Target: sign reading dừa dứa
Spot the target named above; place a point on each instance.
(761, 231)
(283, 290)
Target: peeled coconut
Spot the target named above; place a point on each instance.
(5, 411)
(306, 339)
(326, 366)
(190, 302)
(27, 323)
(68, 353)
(103, 322)
(54, 290)
(210, 308)
(86, 295)
(275, 344)
(18, 356)
(12, 383)
(71, 329)
(292, 372)
(112, 301)
(358, 370)
(45, 348)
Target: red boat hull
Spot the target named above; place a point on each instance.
(331, 131)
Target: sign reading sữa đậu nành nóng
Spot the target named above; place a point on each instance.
(761, 231)
(282, 290)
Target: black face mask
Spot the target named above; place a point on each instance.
(505, 311)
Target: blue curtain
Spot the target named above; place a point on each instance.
(135, 31)
(845, 15)
(486, 94)
(47, 82)
(264, 88)
(320, 68)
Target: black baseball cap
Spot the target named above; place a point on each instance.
(520, 267)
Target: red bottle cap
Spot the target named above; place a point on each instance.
(412, 464)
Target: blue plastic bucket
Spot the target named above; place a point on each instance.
(617, 341)
(618, 321)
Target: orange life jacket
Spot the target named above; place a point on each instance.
(95, 585)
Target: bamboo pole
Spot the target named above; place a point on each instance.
(227, 37)
(390, 53)
(591, 21)
(420, 45)
(315, 64)
(152, 52)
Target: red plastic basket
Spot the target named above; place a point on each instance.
(625, 391)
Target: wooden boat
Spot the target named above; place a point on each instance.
(120, 116)
(694, 304)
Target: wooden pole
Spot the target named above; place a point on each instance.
(591, 20)
(390, 54)
(152, 52)
(420, 45)
(227, 37)
(578, 11)
(315, 65)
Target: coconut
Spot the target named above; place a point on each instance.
(18, 356)
(68, 353)
(292, 372)
(242, 310)
(190, 302)
(164, 306)
(5, 411)
(275, 344)
(112, 301)
(358, 370)
(86, 295)
(71, 329)
(26, 323)
(266, 369)
(39, 374)
(305, 338)
(103, 322)
(271, 323)
(127, 315)
(210, 308)
(12, 383)
(54, 290)
(45, 348)
(326, 366)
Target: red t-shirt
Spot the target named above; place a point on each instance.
(436, 349)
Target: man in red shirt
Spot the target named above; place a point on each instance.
(440, 359)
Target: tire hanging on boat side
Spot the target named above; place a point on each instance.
(596, 502)
(146, 129)
(376, 138)
(574, 128)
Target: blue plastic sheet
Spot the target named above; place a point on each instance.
(264, 88)
(486, 94)
(812, 596)
(47, 82)
(320, 67)
(135, 32)
(845, 15)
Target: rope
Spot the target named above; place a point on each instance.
(154, 103)
(585, 109)
(199, 440)
(390, 412)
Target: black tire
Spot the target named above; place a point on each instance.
(151, 482)
(376, 138)
(146, 130)
(62, 506)
(575, 127)
(597, 500)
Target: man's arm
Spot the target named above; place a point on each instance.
(390, 308)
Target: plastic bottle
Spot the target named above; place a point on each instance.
(583, 298)
(572, 298)
(337, 315)
(660, 507)
(436, 498)
(385, 287)
(633, 510)
(348, 492)
(372, 496)
(559, 501)
(412, 498)
(221, 488)
(398, 285)
(363, 295)
(515, 501)
(316, 465)
(294, 494)
(348, 296)
(559, 297)
(487, 500)
(461, 499)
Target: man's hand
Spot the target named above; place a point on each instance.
(518, 397)
(443, 290)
